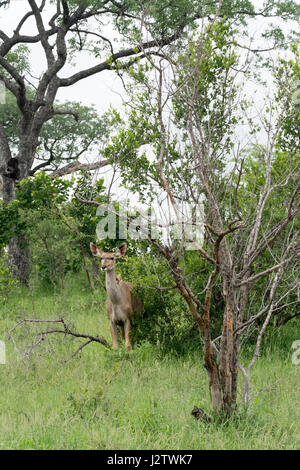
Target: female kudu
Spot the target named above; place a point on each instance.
(121, 303)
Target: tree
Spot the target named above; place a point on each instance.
(74, 27)
(188, 114)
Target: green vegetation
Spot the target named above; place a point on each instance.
(141, 400)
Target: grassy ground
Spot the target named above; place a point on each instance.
(141, 400)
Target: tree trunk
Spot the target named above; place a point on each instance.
(18, 250)
(228, 368)
(19, 259)
(214, 384)
(8, 189)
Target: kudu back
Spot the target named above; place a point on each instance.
(121, 303)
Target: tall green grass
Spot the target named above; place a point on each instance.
(102, 399)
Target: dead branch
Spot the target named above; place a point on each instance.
(65, 330)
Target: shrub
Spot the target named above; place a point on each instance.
(165, 319)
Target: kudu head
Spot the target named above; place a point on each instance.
(108, 259)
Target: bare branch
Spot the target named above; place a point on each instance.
(65, 330)
(76, 166)
(41, 29)
(264, 273)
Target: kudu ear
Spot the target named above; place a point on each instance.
(95, 250)
(121, 250)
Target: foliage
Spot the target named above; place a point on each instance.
(34, 214)
(42, 192)
(216, 87)
(35, 198)
(52, 249)
(85, 215)
(10, 223)
(18, 58)
(164, 17)
(65, 138)
(287, 76)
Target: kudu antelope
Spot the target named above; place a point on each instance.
(121, 303)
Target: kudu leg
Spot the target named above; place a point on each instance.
(127, 328)
(114, 334)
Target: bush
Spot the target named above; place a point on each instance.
(165, 320)
(53, 252)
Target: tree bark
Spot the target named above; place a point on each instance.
(214, 384)
(8, 189)
(19, 259)
(18, 249)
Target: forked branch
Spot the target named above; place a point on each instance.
(63, 328)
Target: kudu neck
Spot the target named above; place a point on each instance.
(112, 286)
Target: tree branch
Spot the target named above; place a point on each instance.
(41, 29)
(65, 330)
(264, 273)
(66, 111)
(76, 166)
(106, 65)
